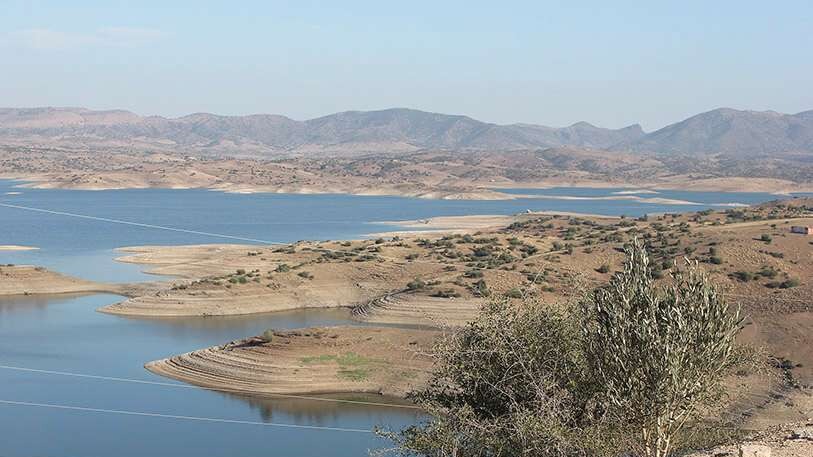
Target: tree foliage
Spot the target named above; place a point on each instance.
(659, 353)
(508, 384)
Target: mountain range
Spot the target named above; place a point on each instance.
(723, 131)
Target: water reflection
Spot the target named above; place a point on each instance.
(325, 411)
(33, 303)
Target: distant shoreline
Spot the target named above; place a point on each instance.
(643, 192)
(14, 247)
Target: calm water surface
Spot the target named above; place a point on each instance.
(65, 333)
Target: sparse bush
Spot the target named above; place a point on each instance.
(305, 275)
(283, 268)
(416, 284)
(768, 272)
(480, 289)
(446, 293)
(268, 335)
(514, 293)
(786, 284)
(743, 276)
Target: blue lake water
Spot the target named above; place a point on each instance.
(64, 333)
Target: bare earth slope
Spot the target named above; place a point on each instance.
(427, 174)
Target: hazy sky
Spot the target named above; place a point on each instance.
(611, 63)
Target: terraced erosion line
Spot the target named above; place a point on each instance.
(402, 308)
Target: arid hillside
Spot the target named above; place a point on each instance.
(440, 280)
(430, 174)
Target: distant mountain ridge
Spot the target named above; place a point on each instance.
(721, 131)
(731, 132)
(384, 130)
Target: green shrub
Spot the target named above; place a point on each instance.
(480, 289)
(416, 284)
(514, 293)
(446, 293)
(743, 276)
(786, 284)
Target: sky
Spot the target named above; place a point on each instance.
(553, 63)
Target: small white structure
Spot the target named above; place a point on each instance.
(804, 230)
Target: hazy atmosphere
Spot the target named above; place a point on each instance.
(429, 229)
(550, 63)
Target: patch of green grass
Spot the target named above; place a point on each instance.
(318, 358)
(353, 359)
(355, 374)
(348, 359)
(352, 366)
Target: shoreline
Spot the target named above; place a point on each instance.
(23, 280)
(14, 247)
(473, 191)
(467, 224)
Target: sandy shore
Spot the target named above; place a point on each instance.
(12, 247)
(469, 224)
(30, 280)
(191, 178)
(310, 361)
(446, 224)
(119, 182)
(678, 182)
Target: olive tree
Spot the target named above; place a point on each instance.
(658, 352)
